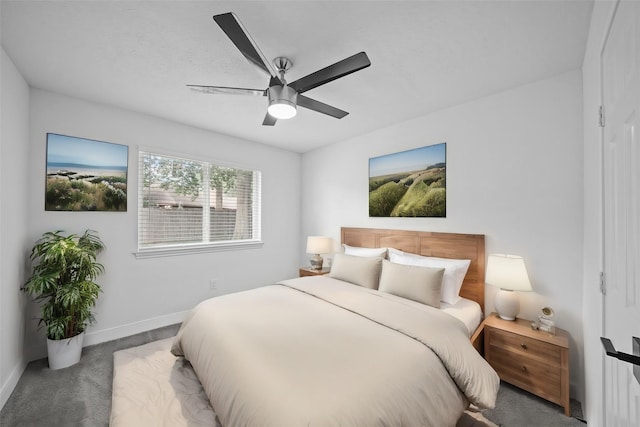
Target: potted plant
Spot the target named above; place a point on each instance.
(64, 271)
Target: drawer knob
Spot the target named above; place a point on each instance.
(524, 369)
(523, 345)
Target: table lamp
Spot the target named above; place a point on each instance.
(318, 245)
(508, 273)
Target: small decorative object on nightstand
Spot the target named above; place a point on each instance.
(545, 321)
(306, 271)
(533, 360)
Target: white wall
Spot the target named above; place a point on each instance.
(14, 246)
(140, 294)
(592, 298)
(514, 173)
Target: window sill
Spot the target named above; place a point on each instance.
(197, 249)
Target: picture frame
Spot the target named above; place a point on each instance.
(85, 174)
(409, 183)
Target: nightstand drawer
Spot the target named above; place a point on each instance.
(527, 372)
(525, 346)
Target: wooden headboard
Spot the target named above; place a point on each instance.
(426, 243)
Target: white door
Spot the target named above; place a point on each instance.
(621, 98)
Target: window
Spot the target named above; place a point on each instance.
(187, 205)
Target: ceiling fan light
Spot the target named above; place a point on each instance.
(282, 102)
(282, 110)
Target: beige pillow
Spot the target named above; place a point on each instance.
(361, 271)
(421, 284)
(454, 271)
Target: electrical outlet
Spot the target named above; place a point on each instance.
(213, 285)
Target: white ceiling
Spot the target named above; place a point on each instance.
(425, 55)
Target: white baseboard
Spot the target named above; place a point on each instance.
(11, 382)
(104, 335)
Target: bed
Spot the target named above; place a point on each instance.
(321, 351)
(433, 244)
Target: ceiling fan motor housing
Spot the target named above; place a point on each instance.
(282, 101)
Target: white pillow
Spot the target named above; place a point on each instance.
(454, 271)
(366, 252)
(421, 284)
(361, 271)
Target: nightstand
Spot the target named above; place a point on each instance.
(308, 271)
(533, 360)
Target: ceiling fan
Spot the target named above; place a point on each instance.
(284, 98)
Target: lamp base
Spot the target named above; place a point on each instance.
(507, 304)
(316, 262)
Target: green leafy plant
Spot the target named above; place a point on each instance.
(63, 281)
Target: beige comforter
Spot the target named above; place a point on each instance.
(317, 351)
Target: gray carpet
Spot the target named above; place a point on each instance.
(517, 408)
(81, 395)
(78, 396)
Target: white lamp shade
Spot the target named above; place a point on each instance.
(319, 245)
(507, 272)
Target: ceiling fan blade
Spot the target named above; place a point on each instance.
(217, 90)
(332, 72)
(320, 107)
(234, 29)
(269, 120)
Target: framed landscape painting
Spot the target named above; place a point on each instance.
(85, 175)
(410, 183)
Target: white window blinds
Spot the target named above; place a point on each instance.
(185, 203)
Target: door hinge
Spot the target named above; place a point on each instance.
(601, 116)
(603, 284)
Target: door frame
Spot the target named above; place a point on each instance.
(602, 415)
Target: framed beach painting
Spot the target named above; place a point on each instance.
(409, 183)
(85, 175)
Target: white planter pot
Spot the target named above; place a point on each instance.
(64, 353)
